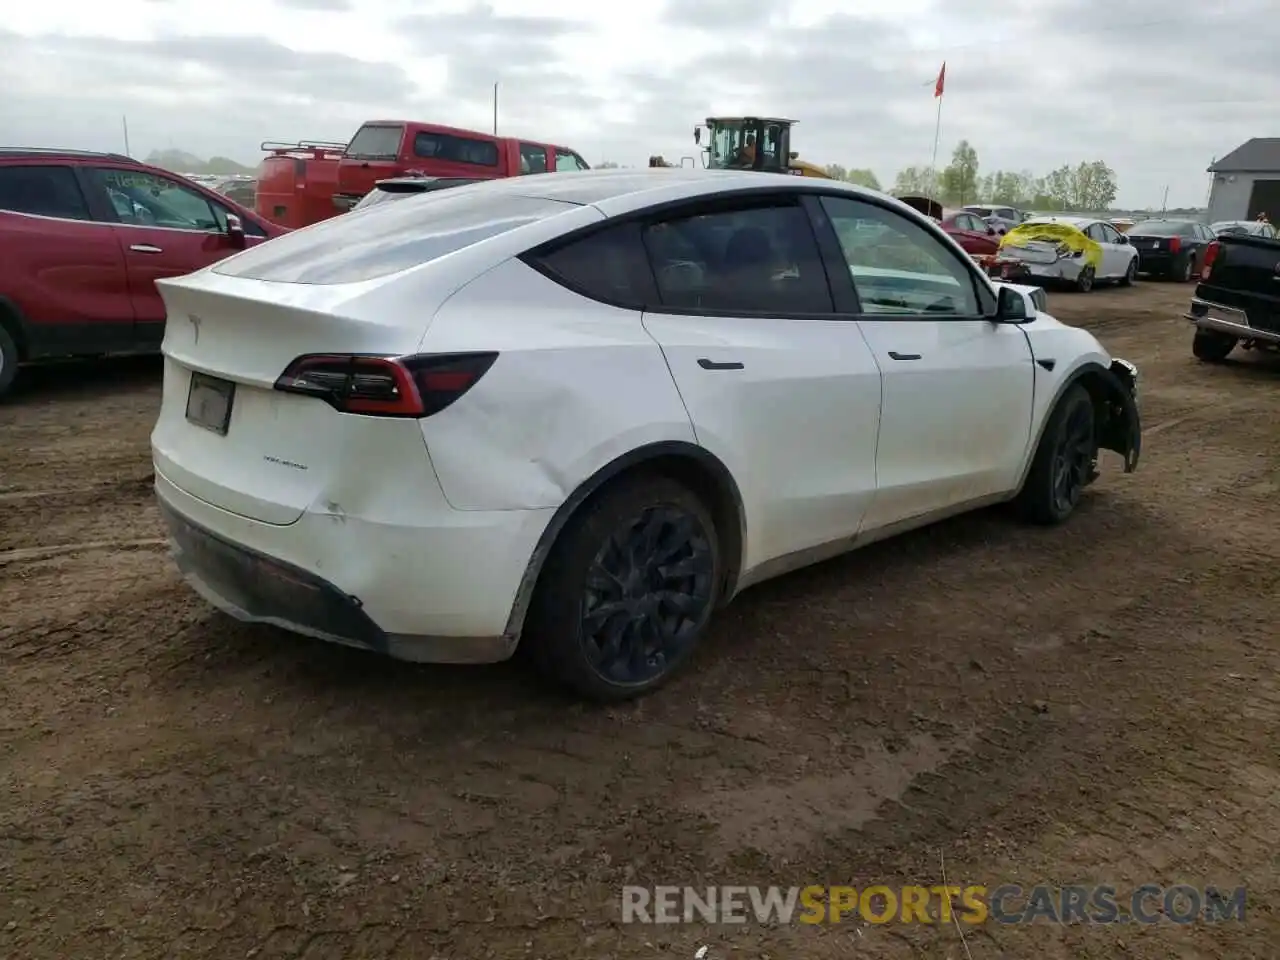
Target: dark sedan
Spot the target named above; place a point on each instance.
(1173, 249)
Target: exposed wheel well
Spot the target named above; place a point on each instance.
(689, 465)
(12, 326)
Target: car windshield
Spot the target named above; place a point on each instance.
(375, 143)
(1161, 228)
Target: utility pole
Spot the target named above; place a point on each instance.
(124, 122)
(495, 109)
(1164, 204)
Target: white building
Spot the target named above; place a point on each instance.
(1246, 182)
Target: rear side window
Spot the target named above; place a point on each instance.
(609, 265)
(445, 146)
(389, 238)
(533, 158)
(43, 191)
(375, 143)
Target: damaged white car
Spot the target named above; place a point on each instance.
(1074, 251)
(581, 412)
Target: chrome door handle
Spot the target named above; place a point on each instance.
(903, 356)
(145, 248)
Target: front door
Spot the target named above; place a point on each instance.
(957, 389)
(166, 229)
(783, 392)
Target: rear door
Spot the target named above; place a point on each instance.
(778, 387)
(166, 228)
(64, 271)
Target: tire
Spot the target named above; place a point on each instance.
(1064, 461)
(1130, 274)
(595, 556)
(8, 361)
(1211, 346)
(1188, 267)
(1084, 282)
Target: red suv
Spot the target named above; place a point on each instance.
(83, 238)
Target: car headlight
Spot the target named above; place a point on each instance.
(1129, 372)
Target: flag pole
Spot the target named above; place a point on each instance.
(939, 92)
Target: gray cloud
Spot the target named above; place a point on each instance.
(1154, 89)
(323, 6)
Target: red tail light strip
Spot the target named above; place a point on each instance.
(414, 386)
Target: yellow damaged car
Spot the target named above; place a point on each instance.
(1074, 251)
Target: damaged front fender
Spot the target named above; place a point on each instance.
(1116, 403)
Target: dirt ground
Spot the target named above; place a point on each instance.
(1096, 703)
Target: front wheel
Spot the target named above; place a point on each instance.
(1212, 346)
(8, 361)
(1130, 273)
(1064, 461)
(1084, 281)
(627, 591)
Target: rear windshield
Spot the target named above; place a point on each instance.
(375, 143)
(981, 211)
(394, 237)
(1162, 228)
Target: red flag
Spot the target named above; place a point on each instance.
(942, 80)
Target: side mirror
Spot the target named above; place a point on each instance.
(795, 155)
(991, 231)
(1011, 307)
(1124, 239)
(235, 230)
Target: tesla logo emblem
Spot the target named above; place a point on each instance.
(195, 327)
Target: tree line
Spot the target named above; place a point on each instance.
(1089, 185)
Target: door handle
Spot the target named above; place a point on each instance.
(145, 248)
(706, 364)
(903, 356)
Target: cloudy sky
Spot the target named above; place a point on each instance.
(1156, 88)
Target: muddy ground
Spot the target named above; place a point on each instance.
(1096, 703)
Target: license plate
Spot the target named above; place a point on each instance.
(209, 402)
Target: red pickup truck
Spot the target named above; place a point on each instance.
(83, 238)
(382, 149)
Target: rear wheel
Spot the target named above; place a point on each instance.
(1064, 462)
(8, 361)
(1084, 282)
(1211, 346)
(1188, 266)
(627, 591)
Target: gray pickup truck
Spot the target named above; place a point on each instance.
(1237, 302)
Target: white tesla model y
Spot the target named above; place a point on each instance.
(578, 412)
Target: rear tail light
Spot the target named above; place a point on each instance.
(417, 386)
(1175, 244)
(1210, 255)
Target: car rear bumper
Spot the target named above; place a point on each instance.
(1151, 261)
(1207, 315)
(442, 593)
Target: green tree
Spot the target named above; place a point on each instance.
(916, 181)
(960, 178)
(835, 171)
(863, 177)
(1093, 186)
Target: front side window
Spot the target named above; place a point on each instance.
(898, 267)
(1109, 233)
(145, 199)
(568, 160)
(44, 191)
(755, 260)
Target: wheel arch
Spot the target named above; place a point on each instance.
(1115, 411)
(696, 467)
(12, 322)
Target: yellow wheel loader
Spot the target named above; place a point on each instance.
(752, 143)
